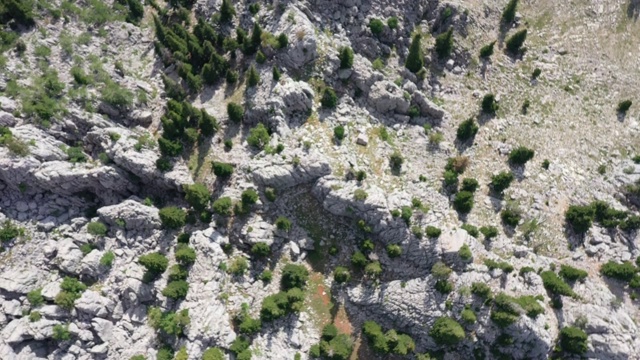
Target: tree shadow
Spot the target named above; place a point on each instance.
(517, 171)
(483, 118)
(633, 9)
(622, 115)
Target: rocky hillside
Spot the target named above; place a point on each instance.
(318, 179)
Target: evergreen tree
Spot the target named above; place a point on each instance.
(227, 11)
(276, 74)
(444, 44)
(415, 61)
(515, 42)
(253, 78)
(509, 13)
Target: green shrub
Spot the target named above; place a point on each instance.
(394, 250)
(341, 274)
(221, 169)
(76, 155)
(284, 224)
(580, 217)
(463, 202)
(115, 95)
(504, 266)
(178, 272)
(433, 232)
(155, 263)
(468, 316)
(511, 215)
(536, 73)
(213, 354)
(35, 316)
(572, 274)
(469, 184)
(624, 271)
(172, 217)
(573, 340)
(294, 276)
(441, 271)
(487, 50)
(258, 136)
(261, 249)
(555, 284)
(238, 266)
(396, 160)
(501, 181)
(250, 325)
(185, 255)
(443, 286)
(489, 104)
(405, 214)
(270, 194)
(520, 155)
(450, 177)
(97, 228)
(489, 232)
(260, 59)
(169, 148)
(415, 59)
(376, 26)
(359, 260)
(283, 41)
(197, 195)
(373, 269)
(329, 332)
(360, 195)
(470, 229)
(392, 22)
(266, 276)
(623, 106)
(223, 206)
(346, 57)
(446, 331)
(338, 132)
(35, 298)
(61, 332)
(329, 98)
(176, 289)
(444, 44)
(515, 42)
(465, 252)
(249, 196)
(467, 130)
(481, 289)
(235, 112)
(509, 13)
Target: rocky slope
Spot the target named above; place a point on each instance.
(163, 166)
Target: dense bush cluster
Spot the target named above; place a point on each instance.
(70, 290)
(168, 322)
(467, 130)
(520, 155)
(447, 331)
(573, 340)
(332, 345)
(506, 309)
(555, 285)
(581, 217)
(390, 342)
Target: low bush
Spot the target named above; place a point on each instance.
(61, 332)
(235, 112)
(396, 160)
(294, 276)
(223, 206)
(107, 259)
(341, 274)
(623, 106)
(623, 272)
(373, 269)
(261, 249)
(573, 340)
(359, 260)
(376, 26)
(463, 202)
(185, 255)
(468, 316)
(572, 274)
(580, 218)
(433, 232)
(446, 331)
(284, 224)
(482, 290)
(520, 155)
(155, 263)
(470, 229)
(221, 169)
(35, 298)
(238, 266)
(467, 130)
(338, 132)
(555, 285)
(465, 253)
(176, 290)
(213, 354)
(258, 136)
(197, 195)
(394, 250)
(501, 181)
(172, 217)
(329, 99)
(489, 232)
(469, 184)
(97, 228)
(511, 216)
(489, 104)
(504, 266)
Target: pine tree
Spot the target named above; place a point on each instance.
(276, 74)
(346, 58)
(227, 11)
(253, 78)
(509, 13)
(444, 44)
(415, 61)
(515, 42)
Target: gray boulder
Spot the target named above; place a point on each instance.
(284, 175)
(135, 215)
(385, 96)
